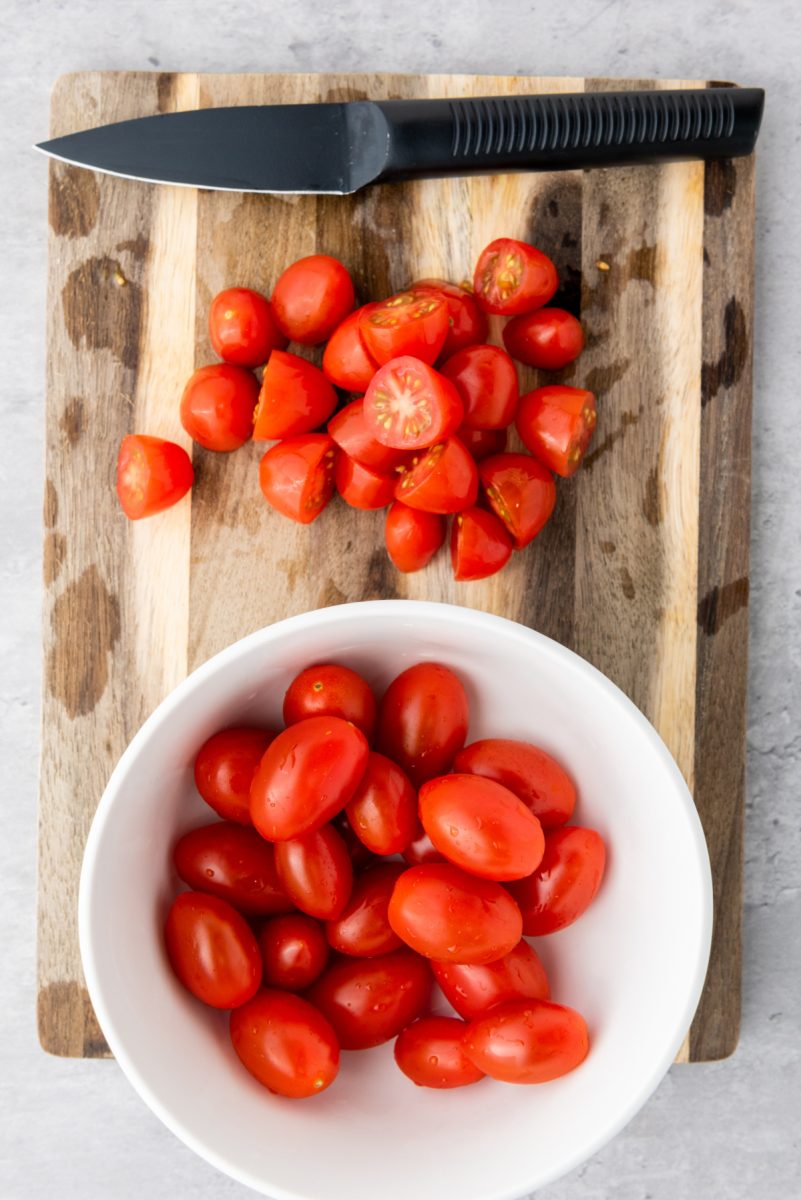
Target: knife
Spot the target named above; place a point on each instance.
(339, 148)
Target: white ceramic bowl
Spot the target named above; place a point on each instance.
(633, 965)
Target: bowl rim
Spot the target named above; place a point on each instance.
(412, 610)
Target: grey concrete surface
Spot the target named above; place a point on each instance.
(723, 1131)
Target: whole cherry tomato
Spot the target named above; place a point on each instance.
(224, 770)
(445, 914)
(294, 951)
(565, 883)
(316, 871)
(556, 424)
(347, 363)
(486, 380)
(331, 690)
(512, 277)
(362, 929)
(539, 780)
(422, 850)
(521, 491)
(408, 323)
(466, 321)
(480, 544)
(307, 775)
(217, 406)
(234, 863)
(295, 398)
(548, 338)
(152, 474)
(212, 950)
(473, 989)
(361, 487)
(430, 1052)
(312, 297)
(445, 480)
(296, 476)
(349, 430)
(242, 327)
(527, 1041)
(422, 720)
(286, 1044)
(383, 809)
(482, 442)
(409, 405)
(412, 536)
(370, 1000)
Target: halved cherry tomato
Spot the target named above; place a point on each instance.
(369, 1001)
(480, 544)
(527, 1041)
(445, 480)
(212, 950)
(413, 537)
(316, 872)
(307, 775)
(512, 277)
(466, 321)
(347, 362)
(243, 328)
(430, 1052)
(481, 826)
(349, 430)
(486, 380)
(295, 398)
(383, 809)
(234, 863)
(286, 1044)
(535, 777)
(360, 486)
(217, 406)
(331, 690)
(152, 474)
(565, 883)
(409, 405)
(556, 424)
(224, 770)
(473, 989)
(422, 720)
(521, 491)
(296, 476)
(482, 442)
(422, 850)
(445, 914)
(548, 338)
(411, 322)
(294, 951)
(312, 297)
(362, 929)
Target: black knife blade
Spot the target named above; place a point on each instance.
(339, 148)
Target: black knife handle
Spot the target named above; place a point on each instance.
(429, 138)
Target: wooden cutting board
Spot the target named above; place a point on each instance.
(643, 569)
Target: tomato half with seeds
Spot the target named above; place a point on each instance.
(409, 405)
(296, 476)
(295, 398)
(152, 475)
(480, 544)
(482, 443)
(548, 338)
(521, 491)
(565, 883)
(486, 379)
(408, 323)
(383, 810)
(431, 1054)
(212, 950)
(556, 424)
(360, 486)
(224, 770)
(242, 327)
(349, 430)
(294, 951)
(315, 870)
(347, 362)
(412, 536)
(234, 863)
(217, 406)
(513, 277)
(362, 929)
(527, 1041)
(370, 1000)
(474, 988)
(285, 1043)
(444, 481)
(311, 297)
(422, 720)
(331, 690)
(467, 323)
(534, 776)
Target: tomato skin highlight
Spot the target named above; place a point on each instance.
(565, 883)
(383, 810)
(422, 720)
(296, 476)
(242, 327)
(445, 480)
(556, 425)
(422, 850)
(512, 277)
(349, 430)
(521, 491)
(409, 405)
(412, 536)
(548, 338)
(473, 989)
(294, 952)
(312, 297)
(285, 1043)
(480, 544)
(217, 406)
(212, 950)
(316, 872)
(295, 398)
(370, 1000)
(535, 777)
(482, 443)
(227, 860)
(361, 487)
(331, 690)
(347, 363)
(362, 929)
(527, 1041)
(225, 766)
(486, 380)
(152, 475)
(408, 323)
(467, 323)
(430, 1053)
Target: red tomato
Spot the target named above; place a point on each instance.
(548, 338)
(409, 405)
(422, 850)
(486, 380)
(307, 775)
(312, 297)
(383, 809)
(556, 425)
(242, 327)
(445, 914)
(361, 487)
(224, 770)
(413, 537)
(295, 398)
(331, 690)
(527, 1041)
(217, 406)
(212, 950)
(565, 883)
(233, 863)
(482, 442)
(152, 474)
(347, 363)
(412, 322)
(369, 1001)
(294, 951)
(296, 476)
(521, 491)
(430, 1052)
(362, 929)
(474, 989)
(481, 826)
(316, 872)
(512, 277)
(422, 720)
(480, 544)
(445, 480)
(540, 781)
(286, 1044)
(349, 430)
(360, 856)
(466, 321)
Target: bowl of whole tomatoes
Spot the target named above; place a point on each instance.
(395, 898)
